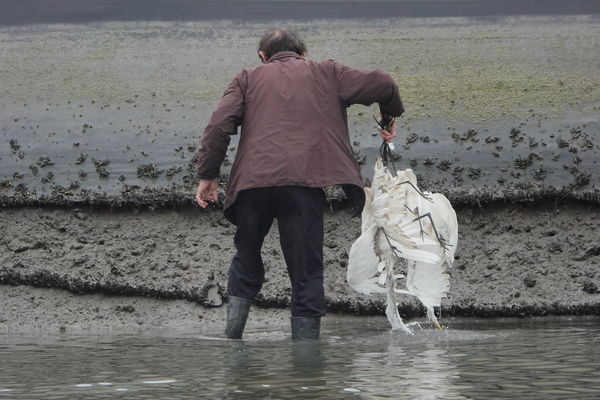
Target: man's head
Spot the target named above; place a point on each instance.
(276, 40)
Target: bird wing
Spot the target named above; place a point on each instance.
(391, 229)
(429, 282)
(417, 249)
(363, 264)
(444, 217)
(367, 217)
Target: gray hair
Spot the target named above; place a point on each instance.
(276, 40)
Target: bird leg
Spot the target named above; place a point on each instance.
(432, 318)
(416, 212)
(426, 197)
(413, 212)
(396, 253)
(394, 249)
(386, 122)
(443, 242)
(392, 305)
(420, 223)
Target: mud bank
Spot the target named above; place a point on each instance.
(169, 267)
(111, 114)
(100, 124)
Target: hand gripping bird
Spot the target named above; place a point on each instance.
(407, 242)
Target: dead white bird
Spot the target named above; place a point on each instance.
(408, 241)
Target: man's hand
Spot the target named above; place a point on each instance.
(388, 135)
(207, 191)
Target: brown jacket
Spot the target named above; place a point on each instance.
(294, 125)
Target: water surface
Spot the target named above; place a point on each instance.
(356, 358)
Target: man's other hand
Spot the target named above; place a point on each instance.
(207, 191)
(389, 135)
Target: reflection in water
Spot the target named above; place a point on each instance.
(407, 370)
(528, 358)
(295, 370)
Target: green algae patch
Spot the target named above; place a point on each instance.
(485, 97)
(451, 68)
(466, 70)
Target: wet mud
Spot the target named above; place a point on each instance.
(93, 164)
(100, 125)
(513, 260)
(111, 115)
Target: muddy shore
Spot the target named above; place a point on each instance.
(100, 123)
(102, 268)
(111, 114)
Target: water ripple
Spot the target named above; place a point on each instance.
(529, 358)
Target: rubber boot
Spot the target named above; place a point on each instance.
(306, 328)
(237, 314)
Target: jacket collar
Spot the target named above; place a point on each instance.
(283, 54)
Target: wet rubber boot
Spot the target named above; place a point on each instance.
(237, 314)
(306, 328)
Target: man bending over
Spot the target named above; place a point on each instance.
(294, 141)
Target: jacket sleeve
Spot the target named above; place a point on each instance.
(223, 123)
(361, 86)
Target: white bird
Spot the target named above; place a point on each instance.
(403, 227)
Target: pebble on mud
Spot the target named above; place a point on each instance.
(590, 287)
(213, 298)
(85, 127)
(411, 138)
(525, 162)
(100, 167)
(80, 215)
(580, 179)
(14, 145)
(48, 178)
(360, 158)
(529, 281)
(444, 165)
(44, 161)
(148, 171)
(516, 136)
(173, 170)
(125, 308)
(555, 247)
(591, 252)
(539, 174)
(82, 157)
(474, 173)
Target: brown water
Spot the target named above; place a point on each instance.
(356, 358)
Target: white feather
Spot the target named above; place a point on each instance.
(367, 213)
(397, 225)
(363, 264)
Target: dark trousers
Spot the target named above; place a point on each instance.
(299, 213)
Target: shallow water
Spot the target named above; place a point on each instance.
(356, 358)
